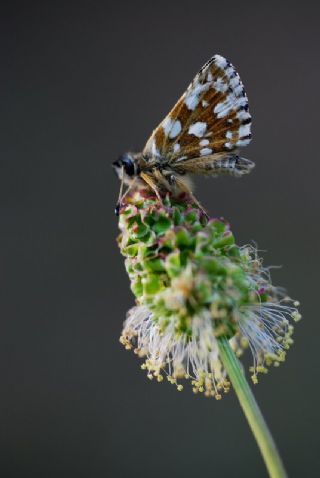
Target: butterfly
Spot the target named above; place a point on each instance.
(200, 135)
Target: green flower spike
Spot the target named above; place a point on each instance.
(200, 301)
(193, 284)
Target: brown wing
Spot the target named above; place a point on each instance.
(212, 116)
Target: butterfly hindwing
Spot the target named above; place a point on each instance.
(211, 117)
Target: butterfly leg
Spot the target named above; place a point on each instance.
(184, 187)
(150, 182)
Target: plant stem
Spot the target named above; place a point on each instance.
(251, 410)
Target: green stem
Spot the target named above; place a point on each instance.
(252, 411)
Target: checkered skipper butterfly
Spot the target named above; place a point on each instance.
(200, 135)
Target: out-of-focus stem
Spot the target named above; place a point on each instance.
(252, 411)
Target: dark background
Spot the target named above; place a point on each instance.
(81, 83)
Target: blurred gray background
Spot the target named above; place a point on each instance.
(81, 83)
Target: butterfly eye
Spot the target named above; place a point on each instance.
(117, 209)
(126, 161)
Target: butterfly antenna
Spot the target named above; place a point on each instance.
(129, 189)
(121, 186)
(123, 195)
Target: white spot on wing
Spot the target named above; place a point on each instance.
(198, 129)
(242, 101)
(167, 125)
(238, 90)
(243, 115)
(192, 101)
(242, 142)
(154, 149)
(220, 85)
(205, 151)
(193, 93)
(229, 134)
(223, 108)
(176, 147)
(234, 81)
(175, 130)
(220, 61)
(231, 103)
(244, 130)
(230, 71)
(204, 142)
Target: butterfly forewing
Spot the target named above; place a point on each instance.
(211, 117)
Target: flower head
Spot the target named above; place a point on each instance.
(192, 285)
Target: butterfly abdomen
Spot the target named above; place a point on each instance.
(233, 165)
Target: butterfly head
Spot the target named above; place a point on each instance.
(126, 167)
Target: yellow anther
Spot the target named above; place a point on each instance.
(261, 369)
(296, 316)
(282, 356)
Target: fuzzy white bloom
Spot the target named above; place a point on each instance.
(265, 328)
(173, 354)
